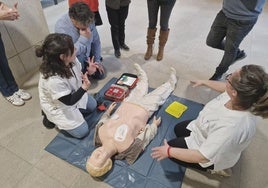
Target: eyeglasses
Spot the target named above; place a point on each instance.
(227, 79)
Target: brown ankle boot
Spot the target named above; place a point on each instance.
(162, 42)
(150, 42)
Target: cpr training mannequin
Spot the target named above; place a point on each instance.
(126, 133)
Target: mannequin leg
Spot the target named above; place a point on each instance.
(157, 97)
(142, 86)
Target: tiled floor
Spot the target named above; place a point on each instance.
(25, 164)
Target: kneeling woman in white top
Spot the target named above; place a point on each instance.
(62, 86)
(215, 140)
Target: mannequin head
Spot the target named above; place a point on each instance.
(99, 163)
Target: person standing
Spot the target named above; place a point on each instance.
(117, 12)
(79, 24)
(231, 25)
(8, 86)
(165, 7)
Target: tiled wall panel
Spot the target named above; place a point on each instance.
(22, 35)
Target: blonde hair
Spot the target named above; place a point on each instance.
(99, 171)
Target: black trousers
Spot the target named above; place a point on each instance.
(117, 20)
(179, 142)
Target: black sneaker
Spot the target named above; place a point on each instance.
(117, 53)
(216, 76)
(48, 124)
(124, 47)
(240, 55)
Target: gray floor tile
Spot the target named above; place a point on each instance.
(35, 178)
(25, 164)
(29, 141)
(13, 169)
(59, 169)
(85, 181)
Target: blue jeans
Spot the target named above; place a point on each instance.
(8, 85)
(227, 34)
(83, 129)
(117, 20)
(153, 8)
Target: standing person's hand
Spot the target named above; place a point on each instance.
(85, 81)
(7, 13)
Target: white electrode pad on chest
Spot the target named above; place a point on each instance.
(121, 133)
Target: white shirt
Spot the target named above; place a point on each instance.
(51, 89)
(221, 134)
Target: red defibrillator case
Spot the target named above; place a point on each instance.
(121, 88)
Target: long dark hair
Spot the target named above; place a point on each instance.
(55, 45)
(251, 87)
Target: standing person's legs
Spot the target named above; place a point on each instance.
(153, 8)
(165, 15)
(217, 32)
(98, 20)
(164, 30)
(122, 18)
(113, 18)
(237, 30)
(158, 96)
(8, 85)
(142, 86)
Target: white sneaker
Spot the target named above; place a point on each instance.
(15, 100)
(23, 94)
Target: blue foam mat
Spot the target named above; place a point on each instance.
(145, 172)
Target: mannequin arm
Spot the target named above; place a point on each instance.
(148, 134)
(107, 114)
